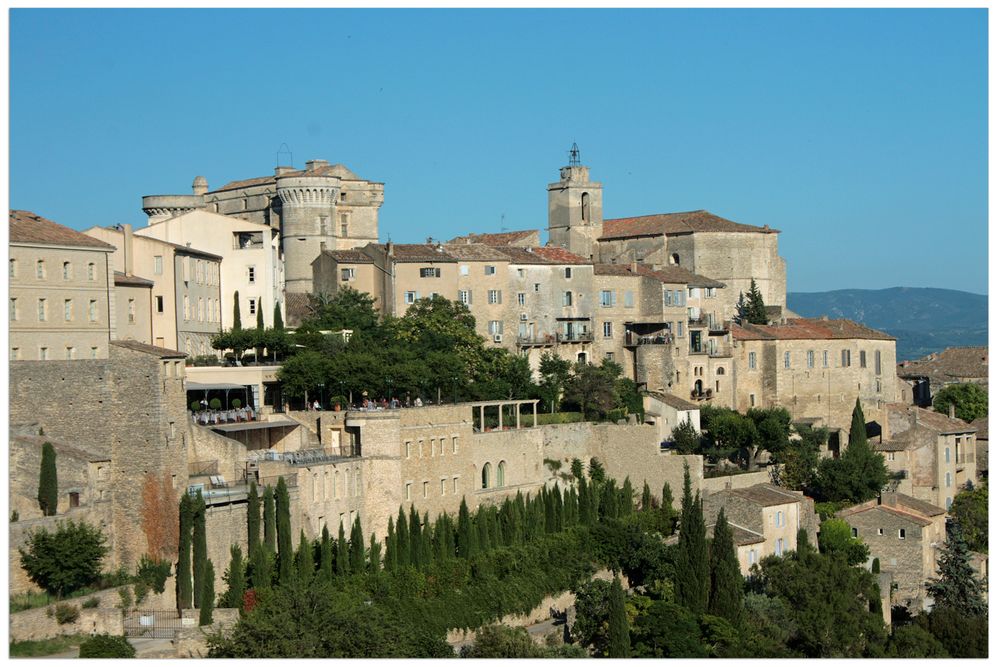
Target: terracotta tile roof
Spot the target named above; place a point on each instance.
(475, 252)
(31, 228)
(982, 426)
(807, 329)
(930, 419)
(675, 223)
(420, 252)
(911, 504)
(297, 308)
(766, 495)
(338, 170)
(134, 281)
(502, 238)
(520, 255)
(861, 509)
(161, 352)
(951, 364)
(678, 275)
(560, 255)
(672, 401)
(744, 536)
(353, 256)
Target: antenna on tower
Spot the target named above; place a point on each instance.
(283, 149)
(574, 156)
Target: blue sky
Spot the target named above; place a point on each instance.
(861, 134)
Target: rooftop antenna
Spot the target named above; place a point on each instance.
(502, 228)
(283, 149)
(574, 156)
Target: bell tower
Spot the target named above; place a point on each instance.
(576, 216)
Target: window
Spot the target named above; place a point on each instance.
(680, 329)
(93, 353)
(710, 292)
(253, 306)
(752, 361)
(454, 444)
(426, 485)
(947, 454)
(881, 531)
(409, 297)
(430, 272)
(947, 503)
(607, 298)
(752, 557)
(159, 304)
(187, 307)
(15, 353)
(538, 287)
(490, 270)
(668, 297)
(251, 274)
(607, 330)
(779, 519)
(158, 265)
(43, 354)
(13, 310)
(443, 480)
(486, 476)
(753, 400)
(779, 546)
(878, 362)
(947, 480)
(42, 310)
(495, 327)
(13, 268)
(610, 356)
(567, 299)
(679, 297)
(494, 296)
(521, 296)
(890, 456)
(788, 359)
(569, 272)
(463, 270)
(67, 271)
(810, 359)
(854, 532)
(465, 296)
(826, 359)
(629, 299)
(409, 486)
(845, 358)
(131, 310)
(40, 269)
(346, 275)
(454, 484)
(501, 473)
(863, 359)
(902, 533)
(74, 499)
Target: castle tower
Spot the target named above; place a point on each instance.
(576, 215)
(308, 214)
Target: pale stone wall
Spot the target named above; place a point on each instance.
(715, 484)
(478, 283)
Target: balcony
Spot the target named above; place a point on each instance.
(575, 337)
(701, 395)
(633, 339)
(548, 340)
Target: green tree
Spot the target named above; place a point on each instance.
(65, 560)
(962, 635)
(596, 471)
(325, 554)
(726, 593)
(646, 500)
(276, 321)
(756, 313)
(801, 457)
(283, 525)
(593, 611)
(685, 438)
(237, 320)
(48, 484)
(391, 557)
(304, 372)
(199, 547)
(500, 641)
(253, 518)
(357, 547)
(270, 534)
(970, 510)
(554, 373)
(970, 401)
(305, 565)
(691, 578)
(667, 630)
(957, 586)
(374, 555)
(343, 558)
(260, 319)
(106, 646)
(592, 388)
(346, 309)
(576, 467)
(235, 578)
(186, 525)
(913, 641)
(835, 537)
(465, 539)
(859, 474)
(261, 568)
(618, 639)
(207, 595)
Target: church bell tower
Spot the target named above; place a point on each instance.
(576, 216)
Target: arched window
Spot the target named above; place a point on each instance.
(502, 473)
(40, 269)
(67, 270)
(697, 387)
(720, 371)
(486, 476)
(585, 207)
(675, 258)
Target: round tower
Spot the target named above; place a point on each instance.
(200, 185)
(308, 210)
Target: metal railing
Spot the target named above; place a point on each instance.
(577, 337)
(196, 468)
(632, 338)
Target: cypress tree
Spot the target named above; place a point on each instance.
(261, 568)
(627, 498)
(357, 547)
(596, 471)
(253, 518)
(304, 559)
(464, 531)
(483, 530)
(584, 502)
(667, 508)
(325, 555)
(618, 638)
(426, 548)
(237, 320)
(199, 548)
(647, 497)
(270, 535)
(207, 594)
(48, 483)
(283, 524)
(236, 580)
(957, 588)
(726, 597)
(610, 501)
(374, 555)
(876, 566)
(415, 551)
(390, 548)
(277, 322)
(756, 313)
(557, 510)
(801, 542)
(260, 318)
(550, 511)
(402, 540)
(184, 553)
(343, 560)
(691, 576)
(859, 433)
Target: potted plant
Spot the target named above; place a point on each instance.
(338, 401)
(236, 403)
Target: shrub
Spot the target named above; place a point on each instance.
(215, 404)
(65, 560)
(153, 572)
(195, 406)
(559, 418)
(106, 646)
(236, 403)
(616, 414)
(125, 598)
(206, 360)
(90, 603)
(66, 613)
(14, 516)
(141, 589)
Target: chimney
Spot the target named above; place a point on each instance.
(313, 165)
(322, 246)
(635, 266)
(951, 410)
(127, 248)
(281, 171)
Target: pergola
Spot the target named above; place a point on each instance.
(501, 406)
(217, 386)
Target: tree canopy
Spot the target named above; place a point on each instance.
(970, 401)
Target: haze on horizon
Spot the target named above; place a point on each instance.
(861, 134)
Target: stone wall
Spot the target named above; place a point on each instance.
(716, 484)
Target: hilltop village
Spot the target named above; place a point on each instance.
(125, 364)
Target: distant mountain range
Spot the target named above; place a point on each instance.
(923, 319)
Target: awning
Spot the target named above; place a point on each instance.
(199, 386)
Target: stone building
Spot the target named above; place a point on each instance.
(765, 519)
(186, 309)
(134, 298)
(61, 292)
(955, 365)
(905, 534)
(932, 455)
(322, 203)
(527, 238)
(982, 426)
(249, 260)
(816, 368)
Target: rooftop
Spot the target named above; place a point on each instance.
(133, 281)
(802, 328)
(502, 238)
(31, 228)
(354, 256)
(418, 252)
(336, 170)
(160, 352)
(930, 419)
(475, 252)
(766, 495)
(952, 364)
(675, 223)
(743, 536)
(672, 401)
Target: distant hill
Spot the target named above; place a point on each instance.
(923, 319)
